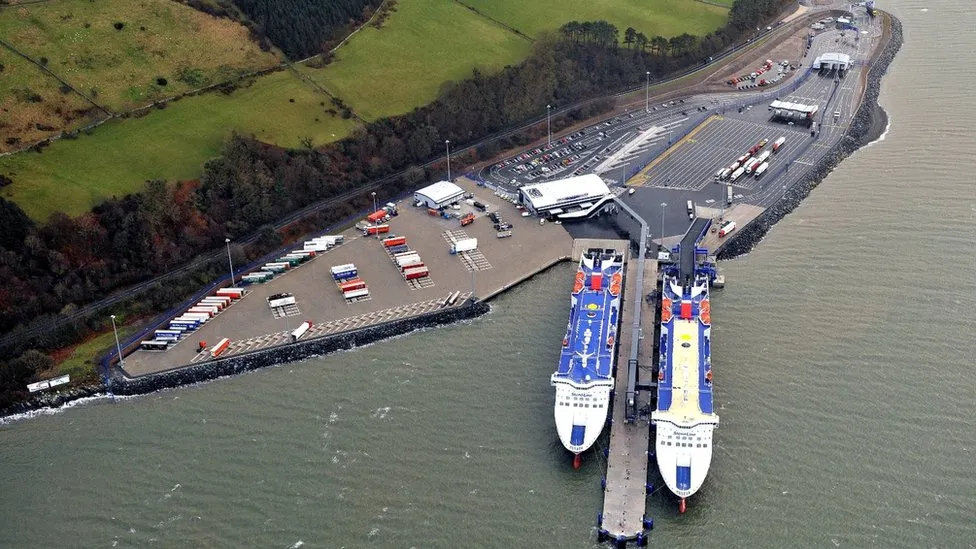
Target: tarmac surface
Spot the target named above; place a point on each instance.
(498, 264)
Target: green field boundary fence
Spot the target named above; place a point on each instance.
(54, 75)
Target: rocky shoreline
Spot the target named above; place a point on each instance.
(867, 125)
(232, 365)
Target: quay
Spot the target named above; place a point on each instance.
(497, 265)
(626, 482)
(625, 485)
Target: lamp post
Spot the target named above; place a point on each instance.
(647, 93)
(549, 124)
(784, 191)
(118, 348)
(663, 205)
(373, 194)
(229, 261)
(447, 144)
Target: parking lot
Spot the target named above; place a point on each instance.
(692, 163)
(499, 262)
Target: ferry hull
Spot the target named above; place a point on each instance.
(579, 427)
(584, 376)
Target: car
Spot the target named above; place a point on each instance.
(726, 228)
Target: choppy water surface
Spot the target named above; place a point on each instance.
(843, 352)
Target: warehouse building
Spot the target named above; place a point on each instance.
(569, 198)
(439, 194)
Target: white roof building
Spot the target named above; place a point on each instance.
(439, 194)
(833, 61)
(572, 193)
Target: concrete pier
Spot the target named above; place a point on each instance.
(626, 479)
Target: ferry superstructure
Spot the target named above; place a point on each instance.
(684, 416)
(584, 378)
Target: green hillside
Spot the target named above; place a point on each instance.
(74, 175)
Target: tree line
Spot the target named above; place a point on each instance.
(300, 28)
(56, 266)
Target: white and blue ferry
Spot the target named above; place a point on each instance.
(684, 417)
(584, 378)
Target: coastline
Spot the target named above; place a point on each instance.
(237, 364)
(869, 123)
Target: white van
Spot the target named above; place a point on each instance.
(691, 209)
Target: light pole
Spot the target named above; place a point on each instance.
(647, 93)
(447, 144)
(549, 124)
(784, 191)
(118, 348)
(229, 261)
(374, 200)
(663, 205)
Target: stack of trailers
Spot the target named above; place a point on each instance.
(407, 261)
(192, 319)
(347, 280)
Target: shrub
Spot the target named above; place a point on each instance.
(161, 81)
(118, 25)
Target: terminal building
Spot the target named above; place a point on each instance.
(571, 198)
(438, 195)
(793, 112)
(832, 62)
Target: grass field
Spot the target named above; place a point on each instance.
(80, 364)
(173, 143)
(159, 39)
(665, 18)
(28, 98)
(422, 45)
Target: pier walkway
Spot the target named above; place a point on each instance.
(625, 491)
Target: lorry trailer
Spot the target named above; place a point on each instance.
(376, 229)
(762, 169)
(219, 348)
(215, 302)
(737, 174)
(764, 156)
(207, 307)
(778, 143)
(394, 241)
(201, 317)
(407, 260)
(415, 272)
(354, 294)
(297, 333)
(402, 248)
(355, 284)
(233, 293)
(154, 345)
(201, 310)
(378, 216)
(465, 245)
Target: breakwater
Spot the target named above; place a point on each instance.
(867, 125)
(254, 360)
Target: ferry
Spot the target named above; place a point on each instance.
(684, 416)
(584, 378)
